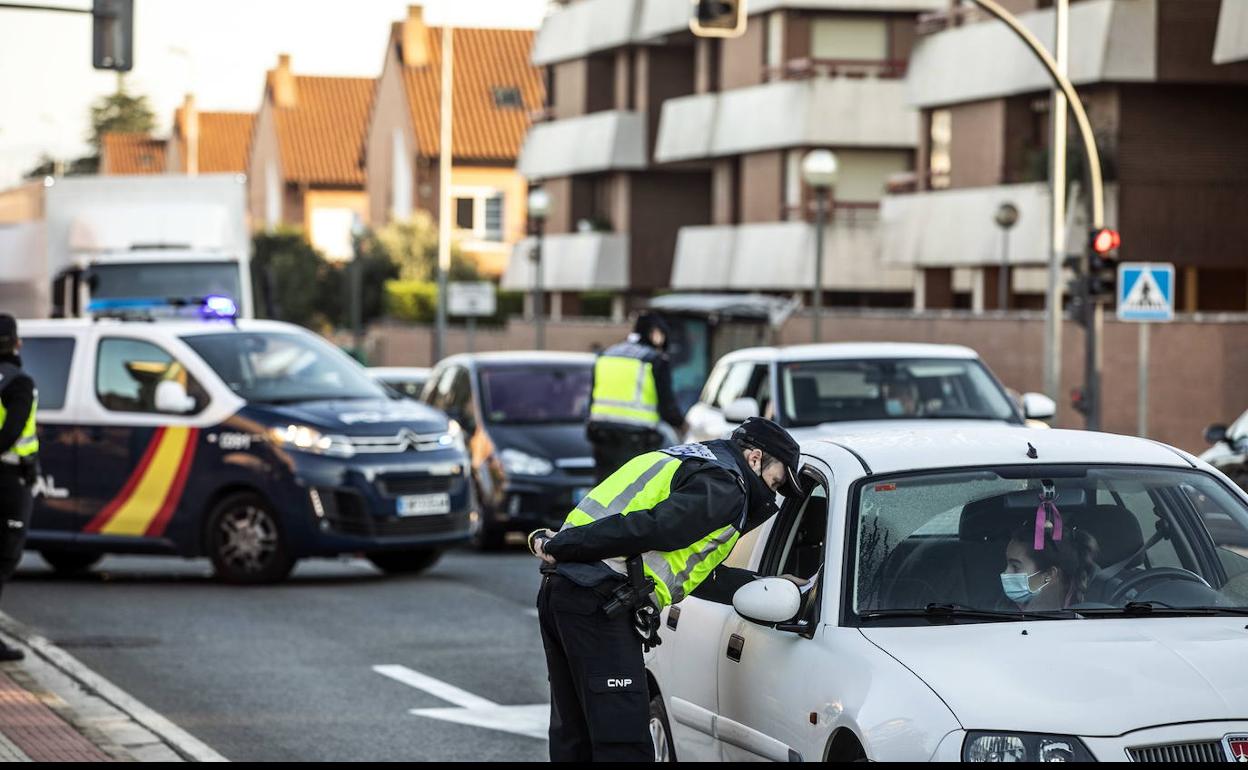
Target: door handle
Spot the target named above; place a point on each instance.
(673, 617)
(736, 643)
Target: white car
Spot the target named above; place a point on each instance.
(818, 390)
(407, 380)
(902, 646)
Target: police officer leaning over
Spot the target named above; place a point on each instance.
(19, 456)
(651, 534)
(632, 396)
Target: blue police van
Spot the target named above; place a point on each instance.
(254, 443)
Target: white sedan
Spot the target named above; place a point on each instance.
(981, 595)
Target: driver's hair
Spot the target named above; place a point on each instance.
(1074, 555)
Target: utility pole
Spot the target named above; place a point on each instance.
(444, 190)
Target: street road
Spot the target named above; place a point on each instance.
(287, 672)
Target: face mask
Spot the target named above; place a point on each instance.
(1017, 587)
(894, 407)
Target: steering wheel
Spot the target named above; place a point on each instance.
(1154, 575)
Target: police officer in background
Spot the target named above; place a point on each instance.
(19, 456)
(654, 532)
(632, 396)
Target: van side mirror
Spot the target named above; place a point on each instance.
(741, 410)
(1037, 406)
(1215, 434)
(172, 398)
(768, 600)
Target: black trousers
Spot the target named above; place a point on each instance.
(599, 699)
(613, 447)
(15, 507)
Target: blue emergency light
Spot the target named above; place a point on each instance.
(212, 307)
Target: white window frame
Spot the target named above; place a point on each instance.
(479, 195)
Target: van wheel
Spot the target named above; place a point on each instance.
(245, 541)
(661, 731)
(70, 562)
(405, 562)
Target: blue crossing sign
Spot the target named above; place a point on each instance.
(1145, 291)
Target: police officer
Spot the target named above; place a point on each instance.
(671, 517)
(19, 456)
(632, 395)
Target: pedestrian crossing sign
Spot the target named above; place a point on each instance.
(1145, 291)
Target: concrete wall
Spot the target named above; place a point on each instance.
(390, 111)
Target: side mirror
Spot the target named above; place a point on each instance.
(172, 398)
(1037, 406)
(768, 600)
(1215, 434)
(741, 410)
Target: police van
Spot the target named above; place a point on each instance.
(254, 443)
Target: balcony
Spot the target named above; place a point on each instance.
(571, 262)
(614, 140)
(819, 111)
(584, 27)
(1110, 40)
(780, 256)
(1232, 40)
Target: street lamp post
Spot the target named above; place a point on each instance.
(357, 288)
(819, 169)
(539, 206)
(1006, 217)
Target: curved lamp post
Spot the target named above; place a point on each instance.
(819, 171)
(539, 207)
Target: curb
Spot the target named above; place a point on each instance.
(184, 745)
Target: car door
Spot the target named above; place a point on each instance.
(138, 456)
(49, 360)
(770, 676)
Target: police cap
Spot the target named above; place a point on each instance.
(761, 433)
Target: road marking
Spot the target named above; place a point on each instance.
(532, 721)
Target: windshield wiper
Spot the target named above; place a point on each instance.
(1152, 608)
(955, 611)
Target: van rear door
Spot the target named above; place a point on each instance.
(50, 360)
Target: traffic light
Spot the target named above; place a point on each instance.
(718, 18)
(112, 36)
(1079, 400)
(1103, 244)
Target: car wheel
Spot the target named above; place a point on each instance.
(661, 731)
(70, 562)
(246, 543)
(405, 562)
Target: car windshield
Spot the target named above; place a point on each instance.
(815, 392)
(535, 394)
(164, 280)
(280, 368)
(1061, 540)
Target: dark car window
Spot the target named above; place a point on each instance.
(128, 372)
(47, 360)
(535, 394)
(459, 398)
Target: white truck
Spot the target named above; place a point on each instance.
(124, 238)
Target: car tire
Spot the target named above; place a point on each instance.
(405, 562)
(245, 541)
(70, 562)
(661, 731)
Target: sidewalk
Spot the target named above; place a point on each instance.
(30, 731)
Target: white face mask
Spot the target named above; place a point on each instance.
(1017, 586)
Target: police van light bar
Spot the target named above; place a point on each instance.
(212, 307)
(219, 307)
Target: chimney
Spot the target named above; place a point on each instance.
(284, 92)
(415, 43)
(190, 134)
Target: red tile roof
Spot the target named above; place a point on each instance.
(224, 140)
(132, 154)
(321, 135)
(485, 59)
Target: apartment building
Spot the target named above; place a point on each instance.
(1170, 124)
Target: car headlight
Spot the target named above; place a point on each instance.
(305, 439)
(521, 464)
(454, 437)
(1023, 747)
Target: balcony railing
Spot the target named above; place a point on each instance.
(807, 67)
(841, 212)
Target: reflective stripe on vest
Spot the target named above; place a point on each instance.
(644, 482)
(27, 445)
(624, 389)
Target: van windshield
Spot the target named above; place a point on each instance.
(283, 368)
(536, 394)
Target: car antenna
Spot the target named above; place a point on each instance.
(1031, 452)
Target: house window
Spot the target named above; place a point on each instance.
(940, 164)
(508, 97)
(854, 39)
(463, 213)
(479, 213)
(775, 39)
(494, 217)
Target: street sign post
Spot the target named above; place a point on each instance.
(1145, 296)
(471, 300)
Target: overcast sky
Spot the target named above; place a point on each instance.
(219, 49)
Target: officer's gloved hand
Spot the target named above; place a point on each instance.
(537, 539)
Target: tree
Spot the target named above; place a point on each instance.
(290, 279)
(413, 247)
(120, 112)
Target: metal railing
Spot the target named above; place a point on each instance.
(809, 67)
(851, 213)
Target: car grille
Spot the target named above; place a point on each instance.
(1206, 751)
(399, 484)
(347, 514)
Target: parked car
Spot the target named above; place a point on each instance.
(815, 390)
(1228, 450)
(902, 645)
(254, 443)
(524, 416)
(407, 380)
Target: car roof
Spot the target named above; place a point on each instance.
(899, 450)
(160, 327)
(838, 351)
(516, 357)
(399, 371)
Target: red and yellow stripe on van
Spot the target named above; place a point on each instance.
(153, 491)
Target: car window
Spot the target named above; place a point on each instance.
(47, 360)
(795, 545)
(735, 383)
(459, 397)
(713, 382)
(128, 373)
(759, 389)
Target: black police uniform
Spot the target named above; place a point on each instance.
(17, 393)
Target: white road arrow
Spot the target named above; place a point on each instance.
(532, 721)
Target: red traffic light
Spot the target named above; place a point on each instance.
(1105, 240)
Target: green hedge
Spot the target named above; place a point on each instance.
(417, 302)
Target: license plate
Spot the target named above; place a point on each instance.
(424, 505)
(579, 494)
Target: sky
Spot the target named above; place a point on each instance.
(218, 49)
